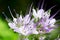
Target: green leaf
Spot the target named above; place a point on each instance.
(53, 35)
(5, 32)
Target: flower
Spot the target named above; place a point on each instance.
(47, 24)
(17, 22)
(24, 26)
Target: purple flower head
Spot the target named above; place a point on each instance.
(26, 25)
(23, 25)
(47, 24)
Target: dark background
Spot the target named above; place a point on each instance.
(23, 5)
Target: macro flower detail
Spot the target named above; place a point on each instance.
(35, 24)
(26, 25)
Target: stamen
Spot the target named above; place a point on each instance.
(55, 14)
(8, 20)
(4, 15)
(51, 7)
(30, 10)
(42, 4)
(10, 12)
(17, 15)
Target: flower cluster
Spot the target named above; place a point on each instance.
(41, 22)
(36, 22)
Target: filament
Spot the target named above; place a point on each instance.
(51, 7)
(10, 12)
(42, 4)
(55, 14)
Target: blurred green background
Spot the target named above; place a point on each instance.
(20, 5)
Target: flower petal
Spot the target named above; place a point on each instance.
(12, 25)
(34, 13)
(40, 13)
(26, 19)
(52, 21)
